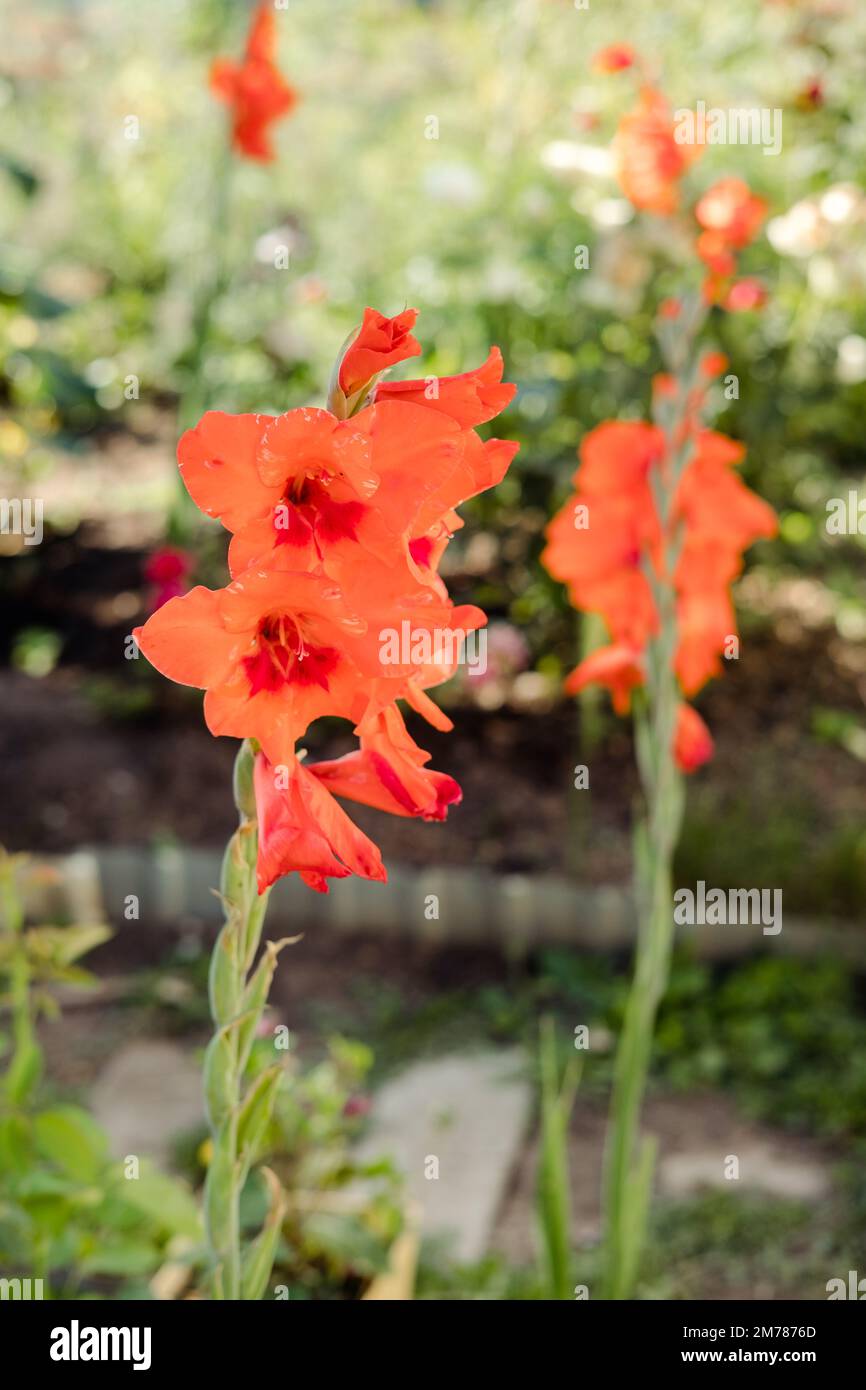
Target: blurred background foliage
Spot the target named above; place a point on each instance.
(107, 241)
(110, 248)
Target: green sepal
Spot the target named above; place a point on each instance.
(220, 1071)
(256, 1113)
(259, 1259)
(223, 978)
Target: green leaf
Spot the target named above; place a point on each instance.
(26, 180)
(553, 1202)
(347, 1239)
(24, 1072)
(62, 946)
(258, 1260)
(168, 1202)
(257, 1112)
(73, 1140)
(16, 1150)
(253, 1002)
(121, 1258)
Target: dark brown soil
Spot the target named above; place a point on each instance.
(103, 750)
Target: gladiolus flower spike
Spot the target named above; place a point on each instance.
(338, 521)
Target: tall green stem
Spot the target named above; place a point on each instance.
(238, 1115)
(629, 1164)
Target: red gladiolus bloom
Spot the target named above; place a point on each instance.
(650, 160)
(389, 772)
(471, 398)
(273, 651)
(335, 607)
(693, 742)
(167, 569)
(303, 830)
(379, 344)
(254, 89)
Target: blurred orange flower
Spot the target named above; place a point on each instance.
(733, 211)
(693, 742)
(608, 539)
(650, 161)
(254, 89)
(614, 58)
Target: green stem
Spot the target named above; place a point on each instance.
(628, 1166)
(628, 1163)
(25, 1062)
(237, 1001)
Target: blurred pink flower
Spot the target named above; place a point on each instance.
(507, 653)
(167, 570)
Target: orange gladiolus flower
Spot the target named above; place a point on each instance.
(306, 489)
(619, 668)
(254, 89)
(716, 254)
(732, 211)
(379, 344)
(273, 651)
(389, 772)
(303, 830)
(471, 399)
(614, 58)
(650, 160)
(335, 606)
(731, 216)
(606, 536)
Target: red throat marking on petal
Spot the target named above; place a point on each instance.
(283, 658)
(312, 511)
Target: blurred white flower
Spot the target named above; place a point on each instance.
(842, 203)
(824, 280)
(798, 232)
(100, 372)
(811, 225)
(612, 212)
(851, 359)
(457, 184)
(275, 243)
(569, 157)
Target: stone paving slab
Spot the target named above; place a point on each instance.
(455, 1127)
(148, 1094)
